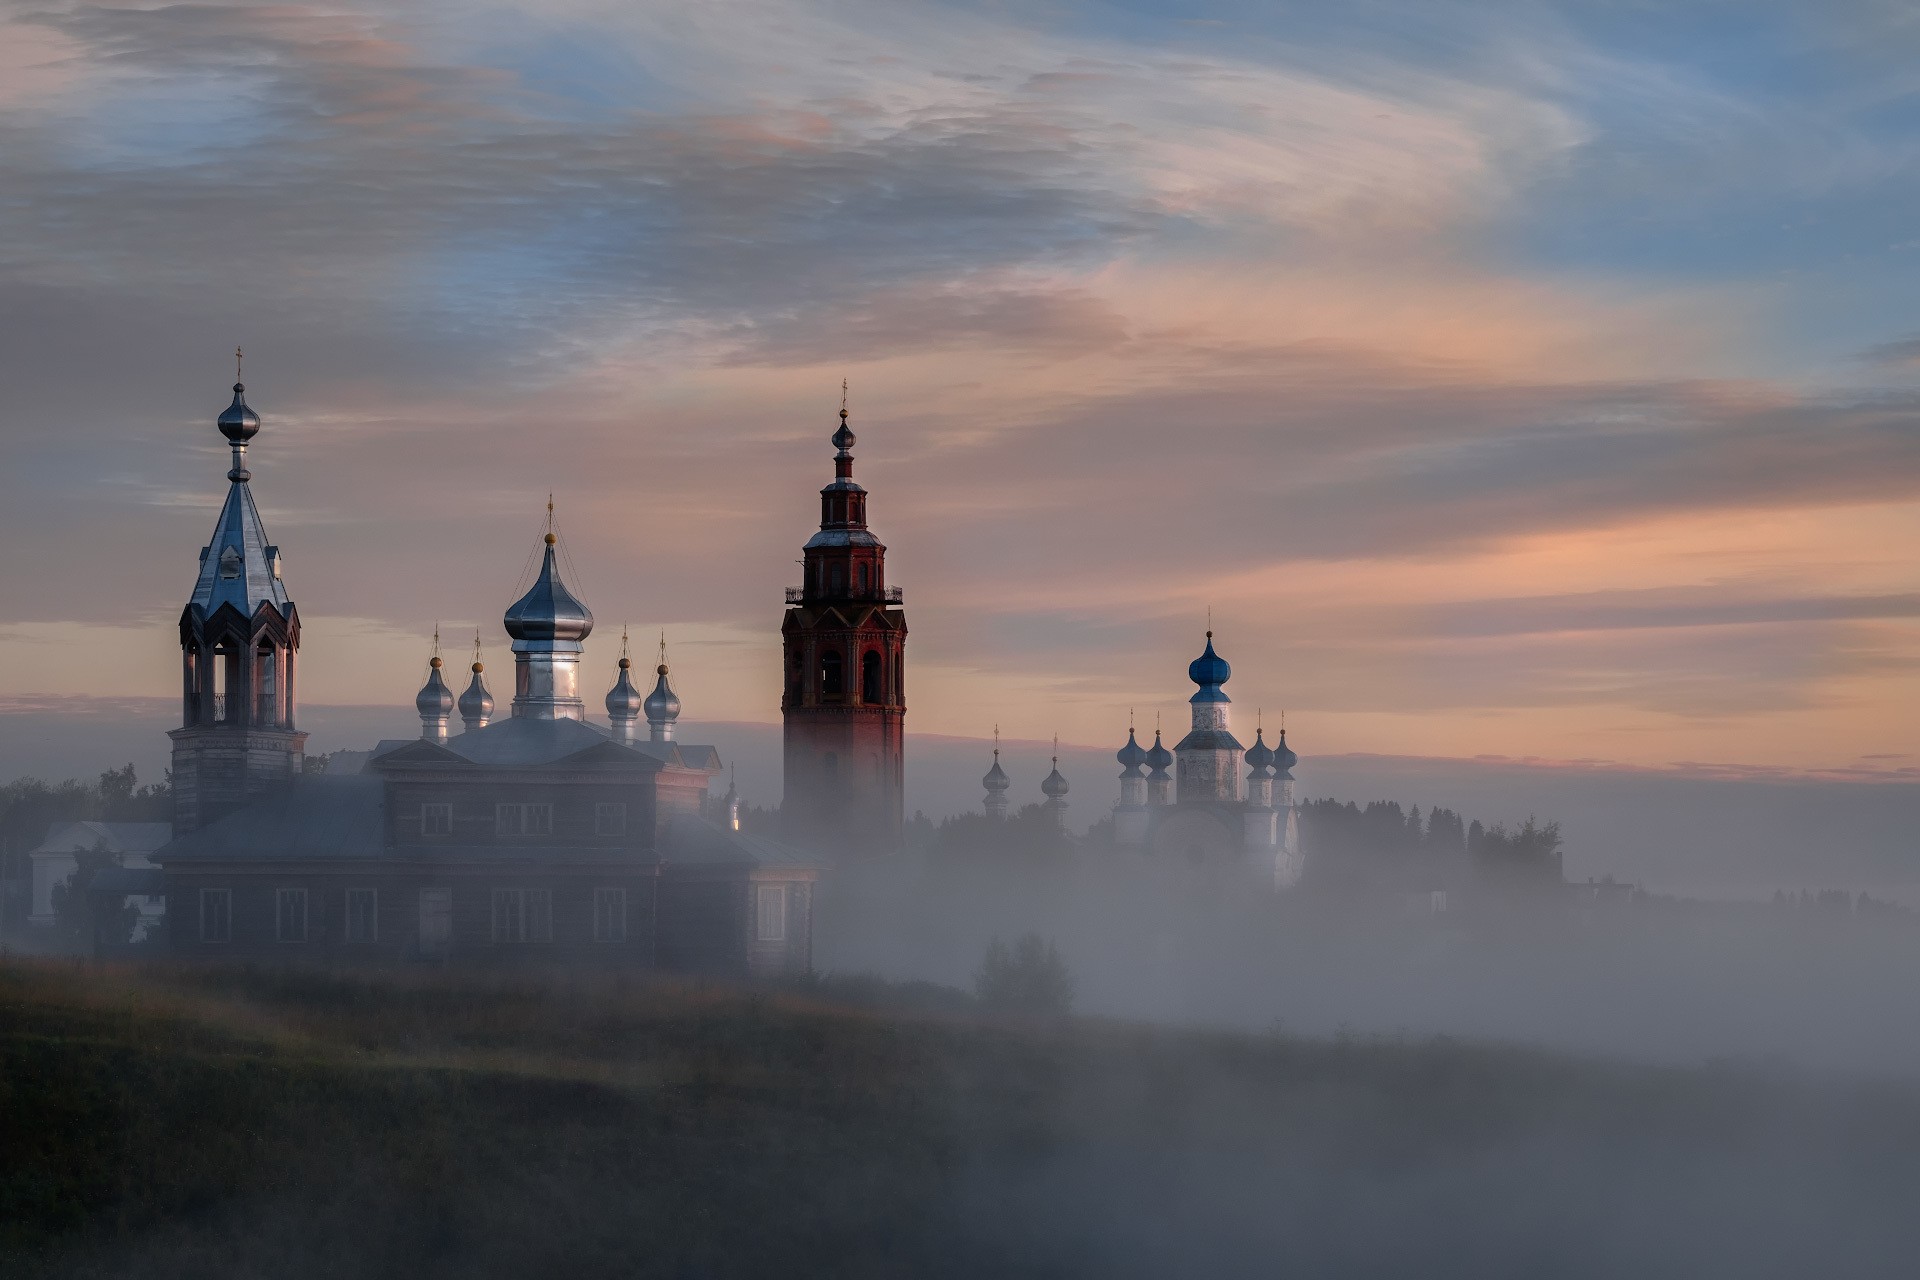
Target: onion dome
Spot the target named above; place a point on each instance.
(843, 439)
(1131, 757)
(623, 700)
(549, 611)
(1055, 786)
(1283, 757)
(1259, 756)
(239, 423)
(662, 705)
(996, 778)
(434, 700)
(1158, 757)
(476, 704)
(1209, 671)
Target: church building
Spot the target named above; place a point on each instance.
(537, 837)
(1202, 813)
(843, 709)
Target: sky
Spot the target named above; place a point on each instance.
(1528, 380)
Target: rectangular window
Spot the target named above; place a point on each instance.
(290, 915)
(436, 819)
(363, 915)
(610, 915)
(216, 915)
(436, 919)
(609, 819)
(522, 915)
(523, 819)
(770, 912)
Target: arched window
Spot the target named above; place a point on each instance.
(870, 687)
(837, 580)
(267, 711)
(832, 682)
(860, 578)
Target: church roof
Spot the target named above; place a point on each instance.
(526, 740)
(694, 841)
(114, 837)
(313, 816)
(239, 566)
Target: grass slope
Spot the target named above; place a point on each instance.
(198, 1122)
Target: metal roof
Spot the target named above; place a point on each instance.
(313, 816)
(238, 566)
(114, 837)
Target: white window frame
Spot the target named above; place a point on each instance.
(610, 818)
(372, 898)
(290, 908)
(610, 914)
(770, 912)
(224, 916)
(430, 812)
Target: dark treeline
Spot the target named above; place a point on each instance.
(1383, 845)
(29, 806)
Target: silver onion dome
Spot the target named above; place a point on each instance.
(237, 422)
(996, 778)
(662, 705)
(1055, 785)
(549, 611)
(1131, 757)
(434, 698)
(623, 700)
(476, 704)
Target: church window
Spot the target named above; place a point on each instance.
(831, 682)
(610, 915)
(290, 915)
(609, 819)
(837, 580)
(871, 687)
(268, 711)
(770, 912)
(363, 915)
(860, 578)
(523, 819)
(436, 819)
(522, 915)
(436, 919)
(229, 562)
(216, 915)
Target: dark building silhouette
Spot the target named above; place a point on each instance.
(844, 705)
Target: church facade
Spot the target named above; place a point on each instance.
(535, 837)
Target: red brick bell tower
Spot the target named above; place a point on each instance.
(845, 691)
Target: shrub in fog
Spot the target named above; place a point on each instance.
(1029, 977)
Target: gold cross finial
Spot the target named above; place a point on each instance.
(476, 646)
(996, 742)
(623, 640)
(663, 650)
(436, 639)
(236, 364)
(843, 397)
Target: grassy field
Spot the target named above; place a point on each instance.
(207, 1122)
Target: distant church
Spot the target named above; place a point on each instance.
(1198, 814)
(535, 837)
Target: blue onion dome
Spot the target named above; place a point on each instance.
(623, 700)
(996, 778)
(1055, 786)
(1158, 757)
(1131, 757)
(843, 439)
(239, 423)
(476, 703)
(434, 698)
(1259, 756)
(1283, 757)
(1209, 668)
(662, 705)
(549, 611)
